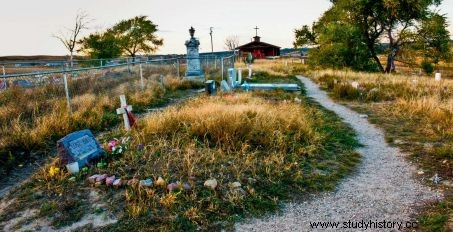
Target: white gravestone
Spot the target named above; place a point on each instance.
(438, 77)
(124, 109)
(250, 71)
(232, 77)
(239, 81)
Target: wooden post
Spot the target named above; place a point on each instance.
(178, 67)
(66, 88)
(142, 83)
(250, 71)
(124, 109)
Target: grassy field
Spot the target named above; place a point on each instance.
(32, 119)
(262, 148)
(416, 114)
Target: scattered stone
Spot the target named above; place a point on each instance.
(72, 179)
(420, 172)
(146, 183)
(298, 100)
(117, 183)
(235, 185)
(132, 182)
(363, 116)
(436, 179)
(355, 84)
(447, 183)
(160, 182)
(92, 179)
(172, 187)
(251, 180)
(101, 178)
(140, 147)
(211, 183)
(109, 180)
(445, 162)
(186, 186)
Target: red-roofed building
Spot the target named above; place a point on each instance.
(259, 50)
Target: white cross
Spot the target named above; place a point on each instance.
(123, 111)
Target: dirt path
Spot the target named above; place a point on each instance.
(382, 188)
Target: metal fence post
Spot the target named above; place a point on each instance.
(142, 83)
(221, 60)
(66, 88)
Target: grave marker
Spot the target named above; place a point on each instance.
(250, 71)
(239, 80)
(438, 77)
(125, 111)
(225, 87)
(80, 147)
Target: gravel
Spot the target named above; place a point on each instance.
(382, 188)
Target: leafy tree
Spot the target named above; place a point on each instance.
(137, 35)
(372, 22)
(434, 38)
(101, 45)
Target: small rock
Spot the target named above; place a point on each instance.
(211, 183)
(133, 181)
(92, 179)
(160, 182)
(251, 180)
(146, 183)
(235, 185)
(445, 161)
(186, 186)
(172, 187)
(421, 172)
(436, 179)
(140, 147)
(72, 179)
(101, 178)
(297, 100)
(363, 116)
(109, 180)
(355, 84)
(117, 183)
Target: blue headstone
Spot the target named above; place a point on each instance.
(80, 147)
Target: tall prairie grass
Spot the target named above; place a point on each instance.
(274, 149)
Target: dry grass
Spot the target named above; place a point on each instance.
(32, 119)
(274, 147)
(416, 114)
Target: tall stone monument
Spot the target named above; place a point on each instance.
(194, 71)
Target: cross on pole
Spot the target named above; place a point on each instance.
(124, 109)
(256, 28)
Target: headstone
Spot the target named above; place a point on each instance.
(355, 84)
(194, 71)
(239, 82)
(225, 87)
(80, 147)
(232, 77)
(438, 77)
(125, 110)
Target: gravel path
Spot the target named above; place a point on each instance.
(382, 188)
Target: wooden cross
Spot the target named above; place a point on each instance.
(123, 110)
(256, 28)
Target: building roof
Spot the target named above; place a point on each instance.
(256, 44)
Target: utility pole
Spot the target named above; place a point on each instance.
(212, 45)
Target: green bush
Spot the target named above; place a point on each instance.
(428, 67)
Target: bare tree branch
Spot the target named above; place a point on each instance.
(232, 42)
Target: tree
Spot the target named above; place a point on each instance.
(70, 37)
(137, 35)
(374, 21)
(101, 45)
(434, 39)
(232, 42)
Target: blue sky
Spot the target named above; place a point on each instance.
(27, 26)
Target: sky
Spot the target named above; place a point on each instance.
(27, 26)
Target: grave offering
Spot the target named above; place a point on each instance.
(287, 87)
(194, 71)
(172, 187)
(126, 111)
(109, 180)
(80, 147)
(146, 183)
